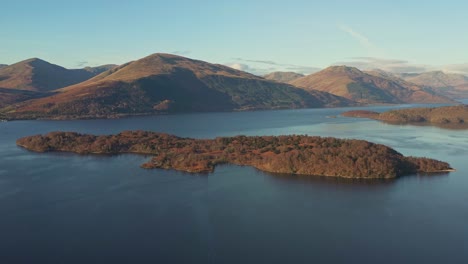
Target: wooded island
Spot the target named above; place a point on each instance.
(293, 154)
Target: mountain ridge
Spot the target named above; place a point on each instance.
(453, 85)
(38, 75)
(163, 83)
(372, 87)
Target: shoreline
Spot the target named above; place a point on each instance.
(293, 154)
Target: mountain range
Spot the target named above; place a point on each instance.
(165, 83)
(38, 75)
(368, 87)
(449, 84)
(170, 83)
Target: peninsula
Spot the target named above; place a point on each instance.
(294, 154)
(445, 116)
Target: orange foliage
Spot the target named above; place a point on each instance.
(296, 154)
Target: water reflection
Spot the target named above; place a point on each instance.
(236, 214)
(315, 179)
(449, 126)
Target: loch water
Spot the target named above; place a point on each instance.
(67, 208)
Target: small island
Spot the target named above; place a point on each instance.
(293, 154)
(445, 117)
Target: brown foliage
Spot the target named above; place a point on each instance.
(296, 154)
(446, 116)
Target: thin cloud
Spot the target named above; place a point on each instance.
(257, 61)
(363, 40)
(239, 66)
(456, 68)
(303, 69)
(374, 59)
(389, 65)
(259, 71)
(401, 66)
(358, 36)
(255, 67)
(81, 63)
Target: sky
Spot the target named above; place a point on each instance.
(256, 36)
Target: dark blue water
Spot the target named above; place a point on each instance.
(66, 208)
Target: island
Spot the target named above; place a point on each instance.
(444, 116)
(292, 154)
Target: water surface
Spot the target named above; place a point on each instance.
(66, 208)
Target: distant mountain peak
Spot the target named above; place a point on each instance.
(36, 74)
(166, 57)
(343, 69)
(453, 85)
(367, 87)
(35, 61)
(285, 77)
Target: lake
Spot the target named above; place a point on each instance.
(67, 208)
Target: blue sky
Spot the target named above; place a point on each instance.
(258, 36)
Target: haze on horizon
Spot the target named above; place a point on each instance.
(255, 36)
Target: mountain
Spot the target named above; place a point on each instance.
(373, 87)
(450, 84)
(12, 96)
(39, 75)
(170, 83)
(3, 65)
(283, 77)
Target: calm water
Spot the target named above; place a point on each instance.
(65, 208)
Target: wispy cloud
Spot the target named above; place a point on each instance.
(401, 66)
(259, 71)
(258, 66)
(239, 66)
(302, 69)
(257, 61)
(456, 68)
(363, 40)
(390, 65)
(81, 63)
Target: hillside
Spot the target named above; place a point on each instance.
(38, 75)
(283, 77)
(12, 96)
(373, 87)
(446, 116)
(294, 154)
(450, 84)
(170, 83)
(3, 65)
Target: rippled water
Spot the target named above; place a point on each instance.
(66, 208)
